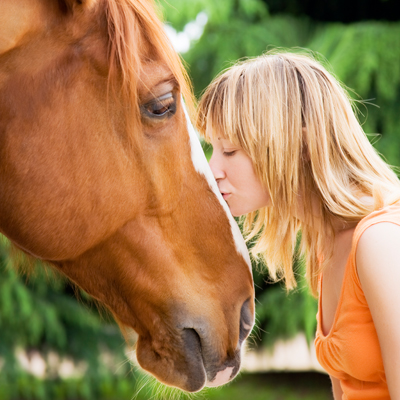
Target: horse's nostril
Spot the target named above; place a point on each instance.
(194, 366)
(246, 320)
(192, 341)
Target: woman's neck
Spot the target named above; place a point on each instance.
(315, 220)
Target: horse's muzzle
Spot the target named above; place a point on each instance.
(195, 354)
(205, 369)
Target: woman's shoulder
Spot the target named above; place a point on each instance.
(373, 235)
(376, 222)
(379, 235)
(377, 239)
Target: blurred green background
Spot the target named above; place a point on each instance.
(40, 313)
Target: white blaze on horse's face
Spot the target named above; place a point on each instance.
(201, 165)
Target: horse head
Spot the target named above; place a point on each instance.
(102, 176)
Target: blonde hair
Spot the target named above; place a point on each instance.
(297, 124)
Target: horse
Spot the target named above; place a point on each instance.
(102, 176)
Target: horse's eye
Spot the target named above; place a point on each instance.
(160, 108)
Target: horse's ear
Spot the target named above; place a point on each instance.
(70, 5)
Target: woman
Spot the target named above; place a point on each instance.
(290, 155)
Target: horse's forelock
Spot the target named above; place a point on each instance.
(132, 25)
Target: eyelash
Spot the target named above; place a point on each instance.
(229, 153)
(160, 108)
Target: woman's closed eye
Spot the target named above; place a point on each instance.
(229, 153)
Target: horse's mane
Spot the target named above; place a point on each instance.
(127, 21)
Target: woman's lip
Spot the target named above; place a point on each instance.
(225, 195)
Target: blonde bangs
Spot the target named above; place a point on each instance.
(297, 124)
(217, 110)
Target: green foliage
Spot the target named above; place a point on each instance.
(213, 52)
(235, 29)
(180, 12)
(38, 311)
(281, 314)
(366, 57)
(106, 387)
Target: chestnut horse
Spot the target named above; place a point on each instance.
(102, 176)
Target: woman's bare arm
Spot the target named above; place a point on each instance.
(378, 266)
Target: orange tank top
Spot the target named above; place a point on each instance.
(351, 352)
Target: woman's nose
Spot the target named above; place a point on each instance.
(216, 167)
